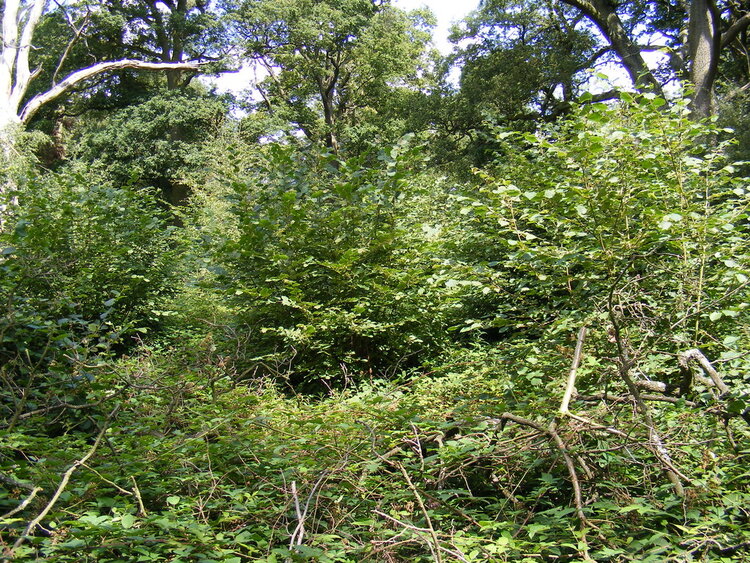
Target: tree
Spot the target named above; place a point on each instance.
(620, 39)
(526, 60)
(697, 36)
(173, 130)
(697, 40)
(329, 277)
(330, 63)
(168, 31)
(20, 21)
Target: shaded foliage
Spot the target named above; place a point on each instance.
(158, 143)
(322, 269)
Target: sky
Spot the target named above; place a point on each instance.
(447, 12)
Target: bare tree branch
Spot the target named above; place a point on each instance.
(63, 483)
(570, 387)
(734, 30)
(71, 80)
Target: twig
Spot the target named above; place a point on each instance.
(698, 356)
(137, 493)
(551, 432)
(570, 387)
(299, 531)
(407, 526)
(23, 505)
(103, 478)
(619, 398)
(400, 523)
(423, 508)
(64, 483)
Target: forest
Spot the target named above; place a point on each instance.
(380, 303)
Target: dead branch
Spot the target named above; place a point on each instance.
(655, 386)
(551, 432)
(8, 480)
(696, 355)
(63, 483)
(425, 513)
(620, 398)
(23, 505)
(570, 387)
(624, 365)
(35, 103)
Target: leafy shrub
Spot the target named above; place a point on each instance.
(618, 212)
(157, 143)
(81, 262)
(322, 270)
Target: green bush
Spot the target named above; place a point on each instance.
(627, 211)
(82, 264)
(328, 282)
(158, 143)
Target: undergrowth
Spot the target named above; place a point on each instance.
(194, 466)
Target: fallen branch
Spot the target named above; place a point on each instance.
(31, 527)
(622, 399)
(59, 405)
(697, 356)
(419, 530)
(551, 432)
(23, 505)
(625, 363)
(8, 480)
(570, 387)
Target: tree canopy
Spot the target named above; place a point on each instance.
(332, 66)
(700, 40)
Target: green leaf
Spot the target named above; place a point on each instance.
(534, 529)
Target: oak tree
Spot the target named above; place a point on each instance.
(330, 63)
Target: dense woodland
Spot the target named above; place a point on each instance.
(383, 304)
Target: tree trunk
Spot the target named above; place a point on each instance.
(704, 44)
(329, 113)
(9, 126)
